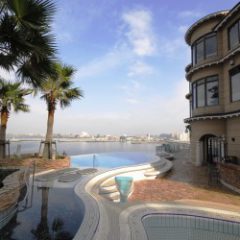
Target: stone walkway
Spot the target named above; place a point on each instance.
(185, 182)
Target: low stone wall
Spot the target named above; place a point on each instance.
(40, 163)
(10, 191)
(230, 174)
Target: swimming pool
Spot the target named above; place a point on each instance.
(187, 227)
(111, 160)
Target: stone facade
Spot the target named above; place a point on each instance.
(227, 127)
(10, 191)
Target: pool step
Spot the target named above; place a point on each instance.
(108, 189)
(112, 196)
(109, 182)
(156, 167)
(161, 172)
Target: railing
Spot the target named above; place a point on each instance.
(172, 147)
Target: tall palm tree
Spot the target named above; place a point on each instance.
(11, 98)
(26, 44)
(57, 90)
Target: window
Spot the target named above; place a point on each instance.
(200, 51)
(204, 48)
(194, 94)
(235, 84)
(211, 46)
(234, 35)
(201, 93)
(212, 91)
(193, 54)
(205, 92)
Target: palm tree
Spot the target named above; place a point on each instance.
(11, 98)
(57, 90)
(26, 44)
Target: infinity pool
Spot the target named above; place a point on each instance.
(111, 160)
(185, 227)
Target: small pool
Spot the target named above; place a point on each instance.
(111, 160)
(186, 227)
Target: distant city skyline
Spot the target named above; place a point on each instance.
(130, 58)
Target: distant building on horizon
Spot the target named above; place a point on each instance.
(184, 137)
(214, 86)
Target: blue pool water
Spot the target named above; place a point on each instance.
(187, 227)
(111, 160)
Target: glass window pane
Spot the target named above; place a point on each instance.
(211, 46)
(199, 51)
(201, 95)
(194, 96)
(193, 55)
(235, 86)
(212, 93)
(212, 78)
(233, 36)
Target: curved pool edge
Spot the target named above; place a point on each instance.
(96, 222)
(132, 228)
(94, 225)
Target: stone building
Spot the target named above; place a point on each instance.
(214, 86)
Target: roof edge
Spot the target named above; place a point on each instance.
(222, 13)
(229, 15)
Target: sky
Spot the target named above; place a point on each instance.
(130, 57)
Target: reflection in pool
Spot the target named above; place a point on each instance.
(111, 160)
(55, 214)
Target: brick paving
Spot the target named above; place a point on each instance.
(185, 182)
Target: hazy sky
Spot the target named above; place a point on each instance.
(130, 57)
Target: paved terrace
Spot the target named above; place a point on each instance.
(186, 183)
(184, 190)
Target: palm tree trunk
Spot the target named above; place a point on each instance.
(47, 151)
(3, 128)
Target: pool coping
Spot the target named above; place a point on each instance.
(96, 222)
(95, 218)
(132, 228)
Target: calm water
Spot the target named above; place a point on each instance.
(76, 148)
(111, 160)
(56, 214)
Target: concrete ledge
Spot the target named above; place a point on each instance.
(92, 214)
(230, 186)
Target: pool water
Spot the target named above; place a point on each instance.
(111, 160)
(185, 227)
(55, 214)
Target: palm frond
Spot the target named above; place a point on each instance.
(26, 42)
(12, 95)
(60, 87)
